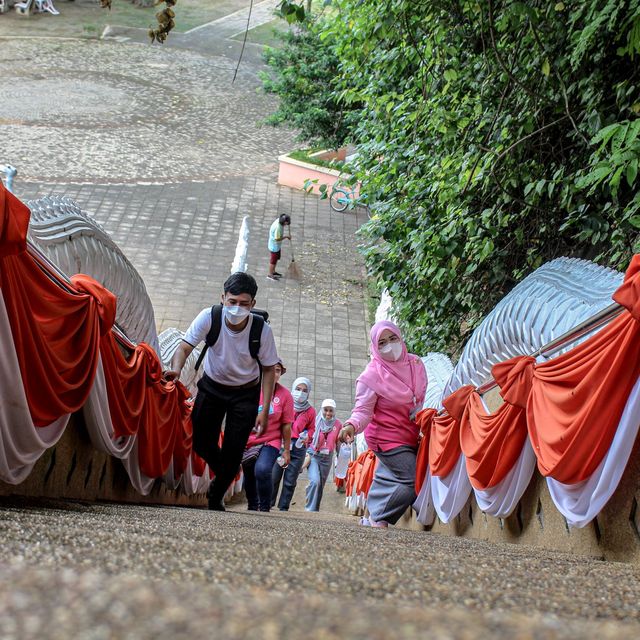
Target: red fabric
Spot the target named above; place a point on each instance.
(368, 469)
(14, 222)
(141, 402)
(444, 444)
(58, 336)
(628, 294)
(424, 420)
(577, 400)
(105, 301)
(197, 464)
(360, 473)
(491, 443)
(514, 378)
(56, 333)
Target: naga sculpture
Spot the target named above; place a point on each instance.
(547, 303)
(76, 243)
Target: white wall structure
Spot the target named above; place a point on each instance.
(242, 248)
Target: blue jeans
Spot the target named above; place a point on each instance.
(290, 474)
(258, 478)
(318, 473)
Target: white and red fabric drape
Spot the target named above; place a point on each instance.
(575, 417)
(58, 355)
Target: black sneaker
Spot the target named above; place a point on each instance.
(278, 275)
(216, 505)
(274, 278)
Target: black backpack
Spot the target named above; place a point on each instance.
(259, 318)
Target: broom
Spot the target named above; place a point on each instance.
(293, 271)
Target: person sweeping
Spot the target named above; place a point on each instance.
(279, 231)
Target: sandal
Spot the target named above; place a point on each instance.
(376, 524)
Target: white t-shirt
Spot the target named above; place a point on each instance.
(229, 361)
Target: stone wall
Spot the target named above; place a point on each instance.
(613, 535)
(74, 470)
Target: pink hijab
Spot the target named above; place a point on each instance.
(404, 380)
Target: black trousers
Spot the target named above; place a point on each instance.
(239, 409)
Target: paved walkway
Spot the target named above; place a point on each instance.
(113, 571)
(237, 22)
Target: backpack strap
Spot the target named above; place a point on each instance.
(212, 336)
(255, 334)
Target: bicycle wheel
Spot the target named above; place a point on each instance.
(339, 199)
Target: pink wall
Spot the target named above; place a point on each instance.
(293, 173)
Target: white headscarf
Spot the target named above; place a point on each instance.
(322, 424)
(301, 406)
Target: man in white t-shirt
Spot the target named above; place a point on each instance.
(230, 387)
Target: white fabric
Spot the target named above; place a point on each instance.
(229, 362)
(580, 503)
(191, 483)
(97, 418)
(342, 461)
(450, 494)
(356, 502)
(98, 421)
(500, 501)
(21, 442)
(424, 503)
(169, 478)
(361, 444)
(385, 308)
(235, 487)
(141, 483)
(242, 248)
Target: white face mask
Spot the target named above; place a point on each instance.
(235, 315)
(300, 396)
(391, 351)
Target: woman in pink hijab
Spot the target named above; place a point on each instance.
(389, 393)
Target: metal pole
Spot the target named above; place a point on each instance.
(587, 326)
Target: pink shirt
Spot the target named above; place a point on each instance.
(386, 424)
(327, 441)
(304, 420)
(280, 412)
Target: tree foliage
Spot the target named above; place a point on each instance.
(303, 75)
(493, 136)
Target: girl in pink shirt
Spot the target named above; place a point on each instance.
(389, 393)
(320, 453)
(263, 449)
(304, 425)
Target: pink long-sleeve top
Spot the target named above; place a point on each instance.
(386, 423)
(327, 441)
(304, 421)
